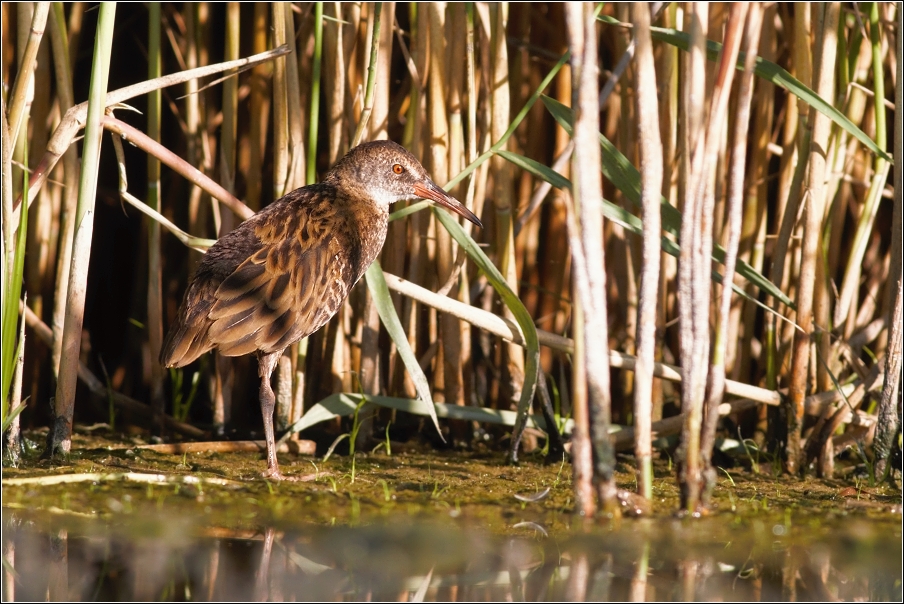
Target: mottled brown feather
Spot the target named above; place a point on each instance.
(295, 263)
(284, 272)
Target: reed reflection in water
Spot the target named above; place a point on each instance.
(61, 558)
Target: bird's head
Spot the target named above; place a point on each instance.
(387, 173)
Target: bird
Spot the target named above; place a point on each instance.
(283, 273)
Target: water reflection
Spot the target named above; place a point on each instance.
(63, 557)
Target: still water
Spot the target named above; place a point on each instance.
(772, 557)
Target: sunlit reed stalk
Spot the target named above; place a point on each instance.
(650, 153)
(448, 368)
(888, 417)
(792, 192)
(59, 437)
(668, 70)
(589, 263)
(296, 105)
(735, 201)
(194, 151)
(224, 221)
(12, 269)
(335, 82)
(18, 97)
(8, 258)
(693, 288)
(714, 141)
(459, 157)
(367, 106)
(59, 42)
(419, 222)
(852, 273)
(813, 212)
(752, 245)
(503, 197)
(41, 243)
(314, 117)
(260, 108)
(369, 375)
(280, 106)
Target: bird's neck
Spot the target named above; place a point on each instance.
(371, 220)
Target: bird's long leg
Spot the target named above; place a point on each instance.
(265, 364)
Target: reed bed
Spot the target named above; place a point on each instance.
(750, 146)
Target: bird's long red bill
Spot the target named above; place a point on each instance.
(434, 193)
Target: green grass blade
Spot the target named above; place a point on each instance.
(344, 404)
(13, 290)
(537, 169)
(511, 300)
(376, 283)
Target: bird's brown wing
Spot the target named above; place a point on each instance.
(287, 289)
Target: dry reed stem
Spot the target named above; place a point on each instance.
(59, 437)
(154, 278)
(74, 119)
(298, 447)
(281, 158)
(735, 201)
(889, 412)
(650, 156)
(145, 143)
(19, 95)
(588, 250)
(752, 246)
(378, 128)
(503, 184)
(124, 476)
(194, 152)
(693, 287)
(334, 46)
(297, 103)
(260, 109)
(812, 224)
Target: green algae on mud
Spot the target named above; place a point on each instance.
(450, 486)
(438, 521)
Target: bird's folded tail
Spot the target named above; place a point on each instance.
(188, 337)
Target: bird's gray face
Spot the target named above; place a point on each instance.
(392, 174)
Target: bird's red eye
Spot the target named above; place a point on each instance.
(397, 168)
